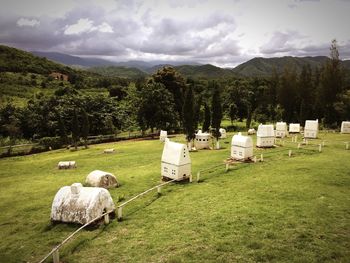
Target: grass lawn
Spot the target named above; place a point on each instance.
(281, 210)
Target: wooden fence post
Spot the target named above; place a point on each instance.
(320, 147)
(261, 157)
(347, 145)
(56, 256)
(323, 143)
(254, 159)
(120, 213)
(198, 176)
(106, 219)
(159, 190)
(298, 145)
(190, 178)
(226, 168)
(290, 153)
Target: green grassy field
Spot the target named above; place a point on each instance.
(281, 210)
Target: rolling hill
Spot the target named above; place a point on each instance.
(119, 71)
(265, 66)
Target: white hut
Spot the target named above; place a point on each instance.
(223, 133)
(78, 204)
(311, 129)
(251, 131)
(345, 127)
(265, 136)
(202, 140)
(163, 135)
(281, 129)
(294, 128)
(176, 161)
(241, 147)
(103, 179)
(67, 165)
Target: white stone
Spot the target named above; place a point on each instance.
(251, 131)
(103, 179)
(108, 151)
(78, 204)
(67, 165)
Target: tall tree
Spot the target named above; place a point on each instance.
(173, 82)
(85, 127)
(305, 94)
(216, 108)
(188, 115)
(75, 129)
(206, 123)
(159, 115)
(331, 84)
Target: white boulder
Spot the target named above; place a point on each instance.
(78, 204)
(103, 179)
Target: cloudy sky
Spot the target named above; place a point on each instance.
(221, 32)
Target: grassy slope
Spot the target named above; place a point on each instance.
(294, 210)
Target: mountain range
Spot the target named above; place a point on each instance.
(136, 68)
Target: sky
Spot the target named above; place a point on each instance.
(220, 32)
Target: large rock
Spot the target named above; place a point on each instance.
(78, 204)
(103, 179)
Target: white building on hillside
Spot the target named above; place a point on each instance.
(345, 127)
(311, 129)
(241, 147)
(294, 128)
(281, 129)
(176, 161)
(223, 133)
(202, 140)
(163, 135)
(265, 136)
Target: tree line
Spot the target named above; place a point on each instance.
(168, 101)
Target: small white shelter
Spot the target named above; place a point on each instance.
(281, 129)
(223, 133)
(67, 165)
(311, 129)
(294, 128)
(241, 147)
(265, 136)
(176, 161)
(103, 179)
(163, 135)
(108, 150)
(202, 140)
(251, 131)
(345, 127)
(78, 204)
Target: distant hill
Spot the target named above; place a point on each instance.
(16, 60)
(265, 66)
(118, 71)
(204, 71)
(73, 60)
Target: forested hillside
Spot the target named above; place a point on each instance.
(37, 105)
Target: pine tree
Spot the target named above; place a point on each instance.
(216, 111)
(85, 128)
(75, 129)
(206, 123)
(188, 114)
